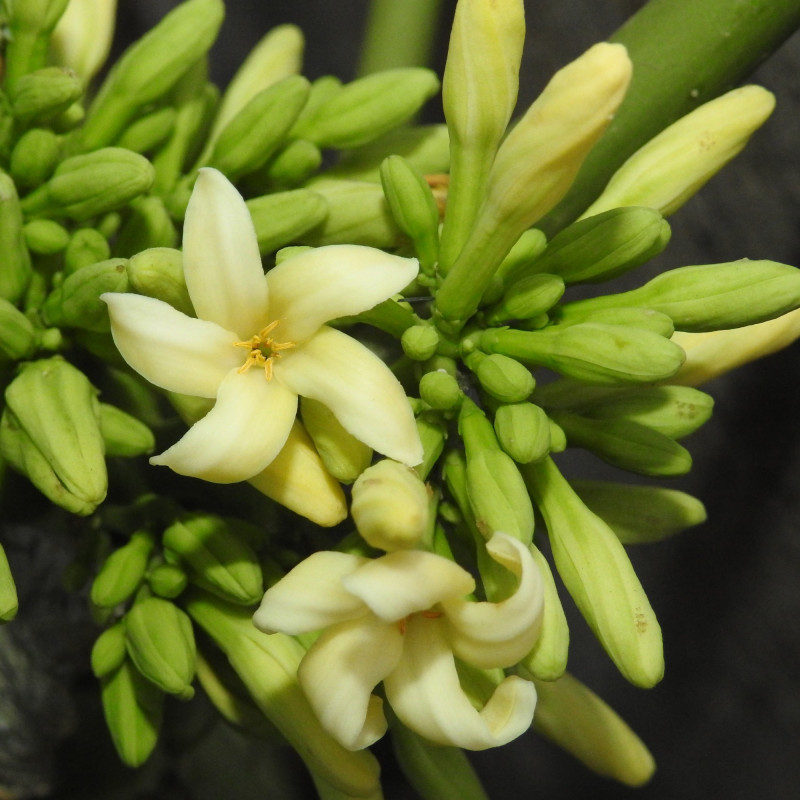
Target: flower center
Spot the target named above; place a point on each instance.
(263, 350)
(401, 623)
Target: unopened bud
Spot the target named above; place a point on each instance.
(526, 298)
(82, 37)
(45, 237)
(523, 431)
(148, 132)
(16, 271)
(122, 571)
(17, 334)
(440, 390)
(41, 95)
(292, 164)
(167, 580)
(123, 434)
(9, 603)
(34, 157)
(502, 377)
(158, 272)
(419, 342)
(108, 651)
(87, 246)
(283, 217)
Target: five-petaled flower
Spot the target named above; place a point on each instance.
(403, 619)
(274, 322)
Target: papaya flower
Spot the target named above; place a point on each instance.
(258, 342)
(403, 619)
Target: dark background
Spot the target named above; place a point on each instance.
(725, 721)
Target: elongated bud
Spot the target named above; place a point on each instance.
(672, 166)
(597, 573)
(523, 431)
(497, 493)
(45, 237)
(502, 377)
(368, 108)
(167, 580)
(525, 251)
(34, 157)
(158, 272)
(50, 432)
(432, 434)
(292, 164)
(527, 298)
(17, 334)
(160, 642)
(86, 247)
(390, 506)
(9, 603)
(592, 352)
(82, 37)
(344, 456)
(108, 651)
(16, 272)
(76, 303)
(123, 434)
(645, 319)
(122, 571)
(133, 708)
(148, 132)
(219, 557)
(283, 217)
(41, 95)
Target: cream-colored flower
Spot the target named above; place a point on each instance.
(402, 619)
(260, 341)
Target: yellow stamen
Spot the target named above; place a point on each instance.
(263, 350)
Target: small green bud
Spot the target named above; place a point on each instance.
(17, 334)
(502, 377)
(148, 224)
(527, 297)
(122, 571)
(16, 272)
(368, 108)
(432, 434)
(292, 164)
(158, 272)
(284, 217)
(45, 237)
(523, 431)
(147, 133)
(526, 250)
(34, 157)
(9, 602)
(390, 506)
(645, 319)
(123, 434)
(225, 563)
(167, 580)
(419, 342)
(160, 642)
(86, 247)
(344, 456)
(41, 95)
(440, 390)
(108, 651)
(558, 439)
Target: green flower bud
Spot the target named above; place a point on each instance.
(597, 573)
(86, 247)
(34, 157)
(645, 319)
(45, 237)
(122, 571)
(558, 439)
(710, 297)
(440, 390)
(502, 377)
(50, 432)
(77, 304)
(526, 298)
(17, 334)
(432, 434)
(160, 642)
(147, 133)
(123, 434)
(292, 164)
(108, 651)
(16, 272)
(221, 559)
(591, 352)
(260, 128)
(167, 580)
(9, 603)
(419, 342)
(344, 456)
(149, 68)
(640, 514)
(368, 108)
(133, 708)
(158, 272)
(148, 225)
(41, 95)
(523, 431)
(284, 217)
(413, 207)
(526, 250)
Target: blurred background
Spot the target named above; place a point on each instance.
(725, 721)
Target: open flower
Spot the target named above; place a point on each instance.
(260, 341)
(402, 619)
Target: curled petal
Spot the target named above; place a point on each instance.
(244, 431)
(406, 581)
(221, 261)
(173, 351)
(499, 634)
(319, 285)
(358, 388)
(424, 691)
(311, 596)
(339, 673)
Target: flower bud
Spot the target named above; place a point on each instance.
(160, 642)
(158, 272)
(502, 377)
(432, 434)
(30, 23)
(50, 432)
(147, 133)
(41, 95)
(87, 246)
(122, 571)
(390, 506)
(283, 217)
(672, 166)
(9, 603)
(34, 157)
(45, 237)
(344, 456)
(440, 390)
(167, 580)
(525, 251)
(419, 342)
(17, 334)
(82, 37)
(16, 272)
(220, 558)
(148, 224)
(526, 298)
(108, 651)
(523, 431)
(645, 319)
(292, 164)
(123, 434)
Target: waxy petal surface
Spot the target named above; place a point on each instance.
(221, 260)
(359, 388)
(173, 351)
(245, 430)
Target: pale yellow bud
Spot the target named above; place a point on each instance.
(82, 38)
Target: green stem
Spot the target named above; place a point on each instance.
(399, 34)
(684, 53)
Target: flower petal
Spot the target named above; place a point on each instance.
(406, 581)
(298, 480)
(339, 672)
(244, 431)
(173, 351)
(319, 285)
(358, 387)
(424, 691)
(311, 596)
(499, 634)
(221, 261)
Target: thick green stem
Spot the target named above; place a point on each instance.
(684, 53)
